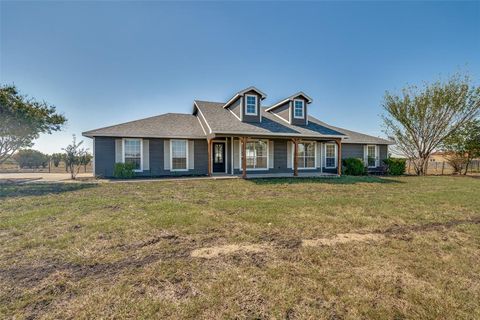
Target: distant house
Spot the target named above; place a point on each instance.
(240, 136)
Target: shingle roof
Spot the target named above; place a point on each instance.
(169, 125)
(357, 137)
(222, 121)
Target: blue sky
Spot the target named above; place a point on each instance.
(103, 63)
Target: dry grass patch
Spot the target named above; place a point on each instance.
(404, 248)
(343, 238)
(215, 252)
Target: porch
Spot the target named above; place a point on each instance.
(273, 156)
(278, 175)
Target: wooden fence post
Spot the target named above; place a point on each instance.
(443, 167)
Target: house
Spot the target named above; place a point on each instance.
(240, 136)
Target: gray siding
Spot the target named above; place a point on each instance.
(104, 156)
(236, 107)
(283, 111)
(383, 152)
(299, 121)
(352, 151)
(248, 118)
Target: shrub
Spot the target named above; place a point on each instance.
(395, 166)
(353, 167)
(123, 170)
(28, 158)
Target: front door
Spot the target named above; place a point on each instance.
(218, 157)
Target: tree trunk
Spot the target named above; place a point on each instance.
(466, 166)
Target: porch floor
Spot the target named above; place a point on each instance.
(280, 175)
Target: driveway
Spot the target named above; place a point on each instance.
(40, 177)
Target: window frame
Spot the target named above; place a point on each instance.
(268, 156)
(141, 152)
(376, 155)
(303, 108)
(335, 155)
(246, 105)
(171, 155)
(314, 156)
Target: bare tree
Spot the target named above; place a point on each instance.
(418, 120)
(73, 156)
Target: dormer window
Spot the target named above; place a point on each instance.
(251, 105)
(299, 109)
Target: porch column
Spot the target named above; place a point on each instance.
(244, 157)
(232, 155)
(209, 148)
(295, 157)
(339, 156)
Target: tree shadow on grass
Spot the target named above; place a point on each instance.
(40, 189)
(340, 180)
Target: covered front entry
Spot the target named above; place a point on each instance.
(218, 155)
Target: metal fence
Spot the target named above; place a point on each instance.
(443, 167)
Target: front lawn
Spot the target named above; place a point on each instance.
(385, 248)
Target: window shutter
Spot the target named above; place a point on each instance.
(289, 154)
(377, 156)
(118, 150)
(336, 155)
(166, 154)
(318, 155)
(324, 155)
(365, 155)
(191, 154)
(270, 154)
(236, 154)
(146, 154)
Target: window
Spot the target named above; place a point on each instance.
(179, 155)
(251, 105)
(306, 155)
(372, 156)
(133, 153)
(257, 154)
(330, 156)
(298, 110)
(218, 154)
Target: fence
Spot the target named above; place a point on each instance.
(444, 168)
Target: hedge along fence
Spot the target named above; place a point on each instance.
(444, 168)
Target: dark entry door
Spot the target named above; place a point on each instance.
(218, 157)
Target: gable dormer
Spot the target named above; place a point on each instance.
(292, 109)
(246, 105)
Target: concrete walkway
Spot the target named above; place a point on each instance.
(26, 177)
(43, 177)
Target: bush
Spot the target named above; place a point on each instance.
(395, 166)
(28, 158)
(123, 170)
(353, 167)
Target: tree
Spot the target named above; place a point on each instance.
(56, 158)
(463, 145)
(29, 158)
(85, 160)
(418, 120)
(73, 154)
(22, 120)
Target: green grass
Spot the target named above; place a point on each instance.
(123, 250)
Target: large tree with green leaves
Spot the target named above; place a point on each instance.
(419, 119)
(463, 145)
(22, 120)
